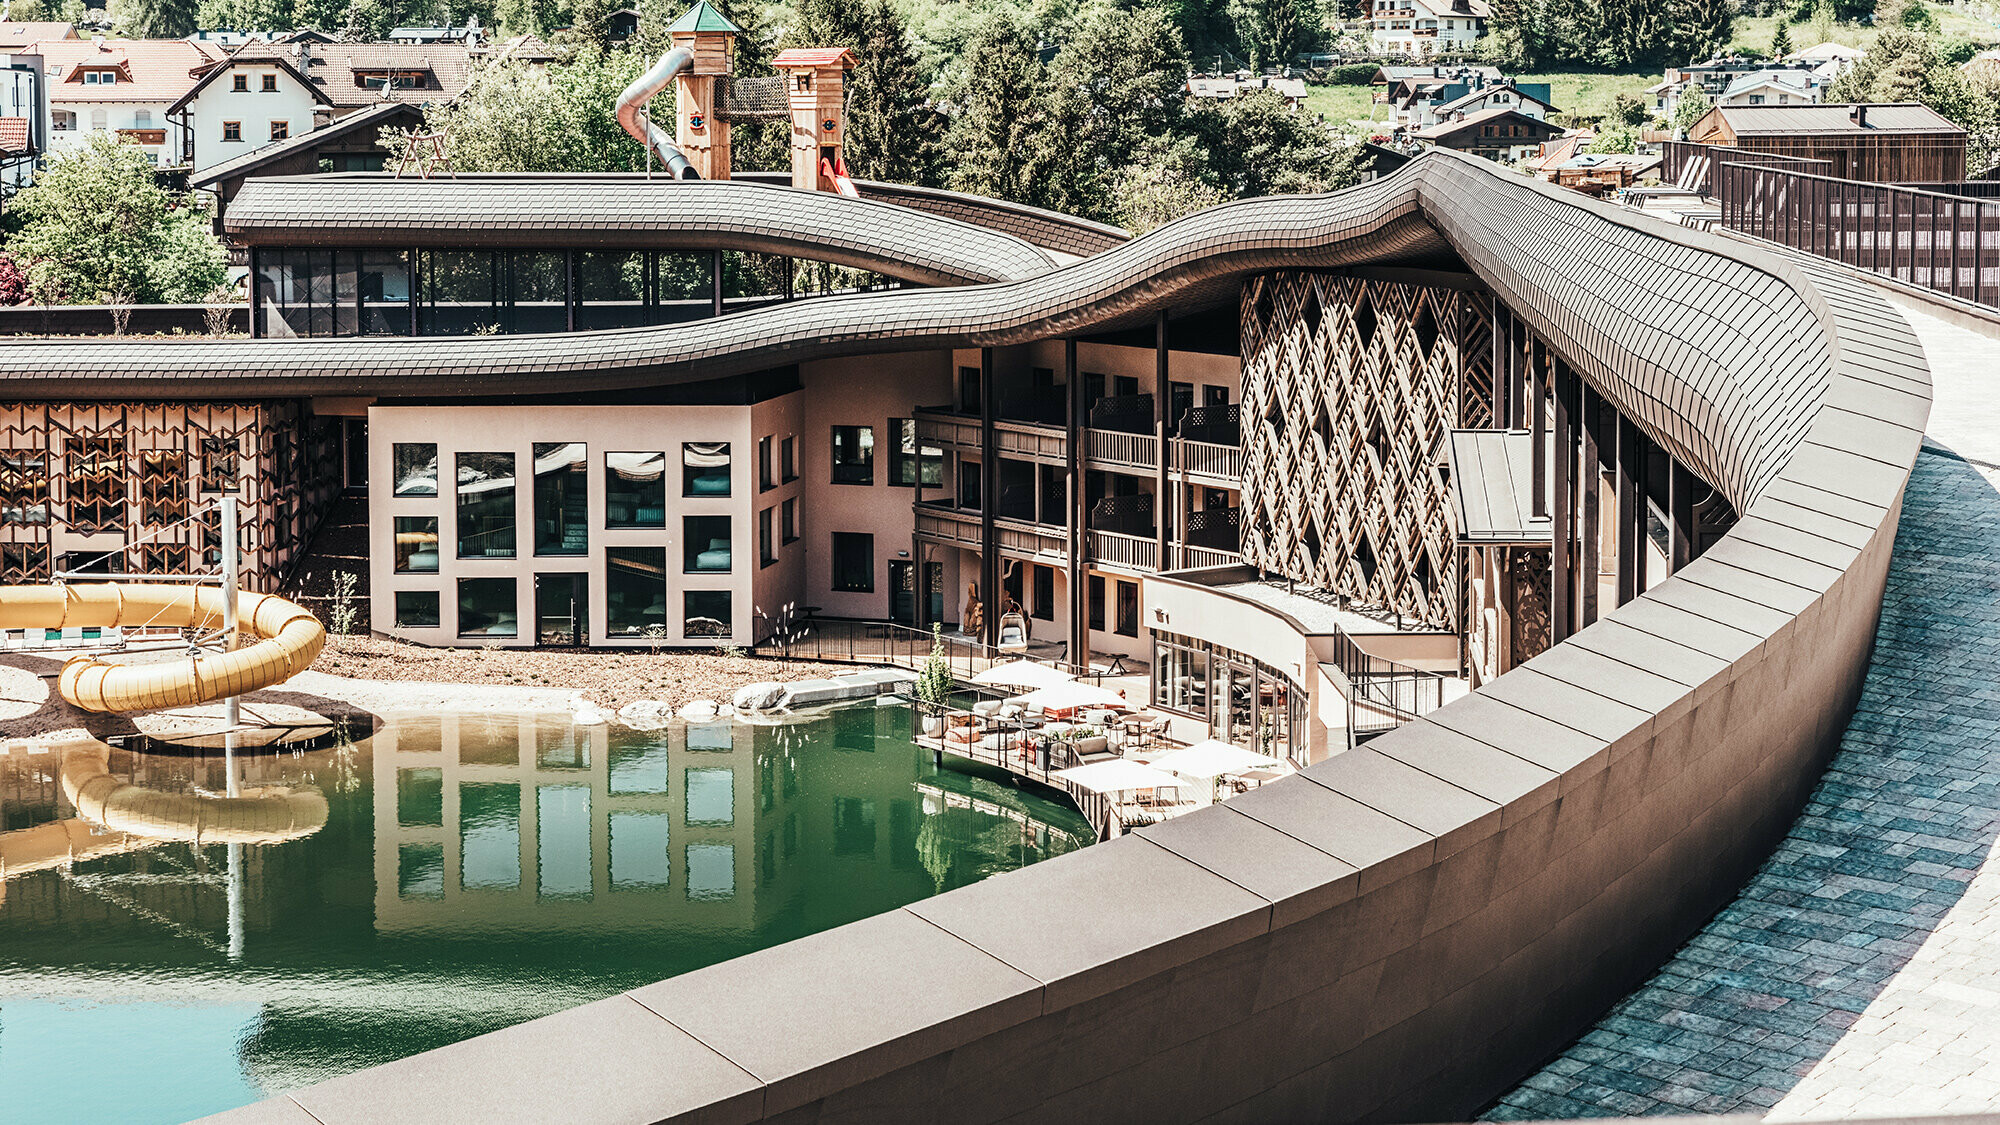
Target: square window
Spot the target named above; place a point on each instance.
(280, 130)
(416, 609)
(270, 83)
(486, 506)
(854, 561)
(635, 489)
(635, 597)
(705, 543)
(232, 130)
(704, 468)
(240, 83)
(854, 455)
(707, 613)
(416, 469)
(908, 466)
(487, 607)
(417, 548)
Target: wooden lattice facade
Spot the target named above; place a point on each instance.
(134, 481)
(1349, 387)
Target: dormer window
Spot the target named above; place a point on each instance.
(100, 77)
(390, 79)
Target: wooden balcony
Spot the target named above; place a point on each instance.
(1118, 449)
(144, 136)
(1027, 440)
(1131, 552)
(1221, 463)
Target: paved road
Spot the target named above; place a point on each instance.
(1858, 973)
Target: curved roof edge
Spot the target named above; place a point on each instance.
(626, 212)
(1050, 230)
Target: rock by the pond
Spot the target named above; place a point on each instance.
(854, 685)
(758, 697)
(646, 714)
(700, 710)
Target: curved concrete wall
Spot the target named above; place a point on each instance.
(1398, 932)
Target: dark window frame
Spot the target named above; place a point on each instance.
(841, 579)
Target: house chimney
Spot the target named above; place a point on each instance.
(1859, 115)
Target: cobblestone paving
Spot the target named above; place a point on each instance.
(1858, 973)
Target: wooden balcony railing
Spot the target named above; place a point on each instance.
(1111, 447)
(1130, 551)
(1204, 459)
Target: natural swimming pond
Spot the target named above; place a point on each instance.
(462, 873)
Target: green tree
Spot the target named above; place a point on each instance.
(1629, 110)
(1691, 108)
(154, 19)
(98, 228)
(1272, 32)
(1116, 99)
(1615, 139)
(1781, 40)
(516, 117)
(997, 130)
(1175, 183)
(1259, 146)
(1906, 66)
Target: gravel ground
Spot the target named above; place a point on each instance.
(371, 676)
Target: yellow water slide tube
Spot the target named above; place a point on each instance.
(284, 639)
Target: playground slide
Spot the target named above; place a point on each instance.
(284, 640)
(632, 116)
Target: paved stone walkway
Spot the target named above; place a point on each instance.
(1858, 973)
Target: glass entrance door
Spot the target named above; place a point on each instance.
(902, 591)
(561, 609)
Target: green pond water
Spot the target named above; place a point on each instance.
(464, 873)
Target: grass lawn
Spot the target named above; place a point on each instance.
(1756, 31)
(1590, 93)
(1342, 106)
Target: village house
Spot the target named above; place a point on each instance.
(124, 86)
(1425, 27)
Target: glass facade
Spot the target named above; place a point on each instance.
(562, 521)
(1244, 701)
(486, 506)
(456, 292)
(635, 489)
(635, 593)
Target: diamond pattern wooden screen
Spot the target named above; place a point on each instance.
(1349, 385)
(85, 477)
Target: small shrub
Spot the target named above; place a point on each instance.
(13, 281)
(345, 613)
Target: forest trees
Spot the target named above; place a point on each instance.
(1612, 34)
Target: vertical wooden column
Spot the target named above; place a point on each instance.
(1164, 509)
(1537, 432)
(1079, 514)
(1562, 583)
(1631, 512)
(989, 488)
(257, 299)
(1680, 527)
(1590, 475)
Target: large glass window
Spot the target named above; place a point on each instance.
(460, 293)
(562, 525)
(24, 487)
(486, 505)
(416, 544)
(635, 490)
(417, 609)
(853, 561)
(854, 455)
(384, 283)
(705, 468)
(488, 607)
(610, 289)
(906, 465)
(707, 613)
(538, 292)
(416, 469)
(635, 593)
(705, 542)
(683, 286)
(751, 280)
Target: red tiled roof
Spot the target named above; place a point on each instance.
(149, 70)
(813, 56)
(17, 35)
(13, 134)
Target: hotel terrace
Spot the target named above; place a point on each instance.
(1546, 540)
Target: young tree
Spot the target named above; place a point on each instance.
(1692, 107)
(1781, 40)
(892, 126)
(1274, 31)
(515, 117)
(95, 224)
